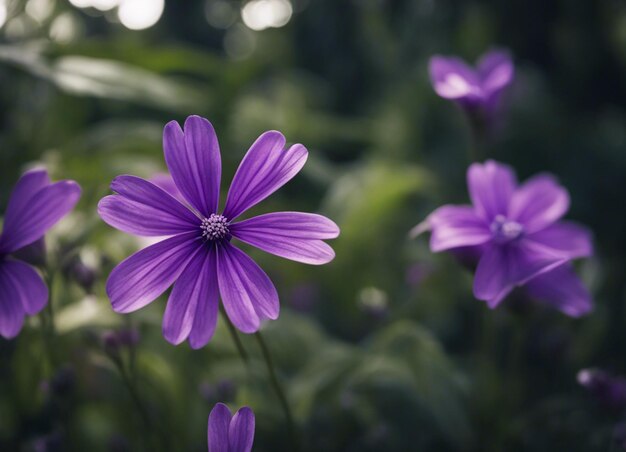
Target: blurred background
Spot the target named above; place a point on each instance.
(383, 349)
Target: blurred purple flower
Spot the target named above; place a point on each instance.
(303, 296)
(481, 87)
(516, 234)
(199, 255)
(609, 390)
(35, 206)
(115, 340)
(224, 389)
(227, 433)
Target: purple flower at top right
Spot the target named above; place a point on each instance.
(515, 234)
(472, 88)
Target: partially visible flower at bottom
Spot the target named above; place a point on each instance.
(36, 204)
(515, 235)
(609, 390)
(228, 433)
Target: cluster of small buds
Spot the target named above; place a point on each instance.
(215, 227)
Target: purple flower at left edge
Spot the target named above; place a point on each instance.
(35, 206)
(199, 257)
(480, 87)
(228, 433)
(515, 233)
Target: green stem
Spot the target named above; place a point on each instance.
(134, 395)
(279, 391)
(47, 323)
(236, 340)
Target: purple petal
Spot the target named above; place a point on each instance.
(455, 227)
(219, 423)
(491, 186)
(452, 78)
(496, 71)
(141, 191)
(241, 431)
(165, 182)
(538, 203)
(571, 239)
(205, 320)
(503, 267)
(30, 289)
(265, 168)
(562, 289)
(145, 275)
(292, 235)
(193, 158)
(39, 213)
(139, 219)
(11, 309)
(27, 185)
(195, 293)
(247, 293)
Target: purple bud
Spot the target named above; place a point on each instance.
(303, 297)
(129, 337)
(223, 390)
(114, 341)
(83, 274)
(110, 342)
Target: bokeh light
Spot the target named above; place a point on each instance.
(261, 14)
(220, 13)
(3, 12)
(64, 28)
(101, 5)
(39, 10)
(140, 14)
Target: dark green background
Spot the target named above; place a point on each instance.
(371, 360)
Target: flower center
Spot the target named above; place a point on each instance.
(505, 230)
(215, 227)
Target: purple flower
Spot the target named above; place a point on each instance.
(228, 433)
(609, 390)
(35, 206)
(198, 256)
(472, 88)
(515, 233)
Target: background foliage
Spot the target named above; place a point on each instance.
(383, 349)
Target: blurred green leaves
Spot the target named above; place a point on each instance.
(108, 79)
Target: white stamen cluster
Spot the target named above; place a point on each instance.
(506, 230)
(215, 227)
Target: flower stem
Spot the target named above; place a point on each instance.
(134, 395)
(277, 387)
(47, 324)
(236, 339)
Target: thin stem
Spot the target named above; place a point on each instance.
(49, 307)
(277, 387)
(134, 395)
(478, 134)
(236, 340)
(47, 323)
